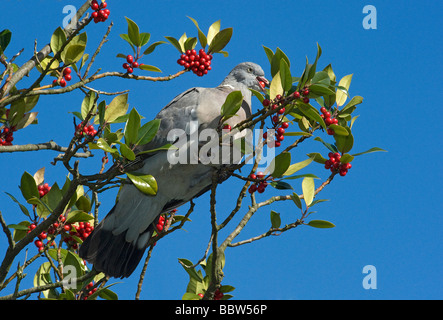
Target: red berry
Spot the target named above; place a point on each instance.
(135, 64)
(130, 59)
(261, 188)
(201, 295)
(252, 189)
(130, 70)
(94, 5)
(266, 103)
(331, 132)
(306, 100)
(67, 227)
(306, 92)
(285, 125)
(277, 144)
(103, 4)
(227, 127)
(280, 137)
(343, 172)
(280, 131)
(125, 65)
(296, 94)
(275, 119)
(62, 83)
(38, 243)
(66, 71)
(260, 175)
(68, 77)
(281, 111)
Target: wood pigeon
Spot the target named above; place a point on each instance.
(117, 244)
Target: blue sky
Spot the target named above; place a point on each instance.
(387, 210)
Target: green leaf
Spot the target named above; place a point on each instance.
(276, 87)
(275, 62)
(346, 158)
(144, 38)
(269, 53)
(321, 90)
(201, 36)
(190, 43)
(28, 186)
(133, 32)
(354, 101)
(132, 127)
(275, 219)
(152, 47)
(311, 113)
(341, 96)
(344, 143)
(226, 289)
(213, 30)
(321, 224)
(296, 200)
(57, 40)
(74, 51)
(145, 183)
(191, 296)
(117, 108)
(43, 277)
(78, 216)
(5, 38)
(148, 131)
(279, 165)
(147, 67)
(330, 147)
(187, 265)
(107, 294)
(375, 149)
(88, 104)
(285, 75)
(281, 185)
(308, 187)
(341, 131)
(165, 147)
(22, 207)
(317, 157)
(258, 95)
(321, 77)
(175, 43)
(220, 40)
(293, 168)
(127, 152)
(232, 104)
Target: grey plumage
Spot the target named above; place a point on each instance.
(116, 246)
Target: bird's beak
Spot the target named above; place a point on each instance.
(263, 83)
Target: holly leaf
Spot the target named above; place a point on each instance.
(145, 183)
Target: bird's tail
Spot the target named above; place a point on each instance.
(117, 244)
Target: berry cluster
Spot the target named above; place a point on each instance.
(66, 77)
(43, 189)
(81, 231)
(258, 186)
(218, 295)
(335, 165)
(130, 64)
(88, 129)
(91, 290)
(100, 14)
(326, 115)
(277, 123)
(199, 63)
(160, 224)
(6, 136)
(39, 241)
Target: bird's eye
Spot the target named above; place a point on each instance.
(250, 70)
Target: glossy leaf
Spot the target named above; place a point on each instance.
(220, 40)
(22, 207)
(127, 152)
(293, 168)
(275, 219)
(308, 187)
(344, 143)
(276, 87)
(341, 131)
(285, 75)
(5, 38)
(58, 39)
(279, 165)
(213, 30)
(132, 127)
(317, 157)
(133, 32)
(321, 224)
(341, 95)
(275, 62)
(201, 36)
(148, 131)
(152, 47)
(375, 149)
(145, 183)
(296, 200)
(117, 108)
(88, 104)
(28, 186)
(232, 104)
(147, 67)
(175, 43)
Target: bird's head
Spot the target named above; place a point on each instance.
(248, 74)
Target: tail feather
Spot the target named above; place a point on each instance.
(112, 254)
